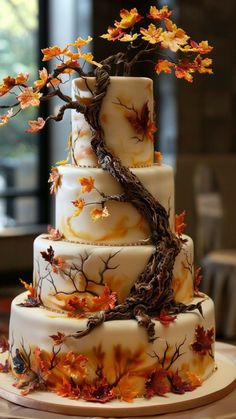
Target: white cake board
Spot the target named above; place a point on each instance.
(218, 385)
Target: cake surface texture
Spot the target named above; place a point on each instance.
(114, 309)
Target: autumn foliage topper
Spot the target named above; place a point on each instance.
(145, 43)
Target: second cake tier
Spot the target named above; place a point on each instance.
(88, 208)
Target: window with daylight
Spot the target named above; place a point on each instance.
(19, 152)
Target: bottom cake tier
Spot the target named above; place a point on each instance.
(116, 359)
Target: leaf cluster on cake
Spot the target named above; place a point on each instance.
(105, 315)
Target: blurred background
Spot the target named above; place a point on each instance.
(196, 134)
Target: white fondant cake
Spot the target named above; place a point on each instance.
(120, 348)
(91, 325)
(124, 225)
(125, 96)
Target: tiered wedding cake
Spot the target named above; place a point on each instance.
(107, 316)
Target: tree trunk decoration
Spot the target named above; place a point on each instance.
(152, 292)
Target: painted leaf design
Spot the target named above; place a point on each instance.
(139, 123)
(48, 255)
(204, 340)
(58, 339)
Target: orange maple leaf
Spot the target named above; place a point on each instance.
(43, 79)
(89, 58)
(67, 389)
(163, 66)
(152, 34)
(184, 70)
(98, 213)
(80, 42)
(79, 205)
(29, 287)
(105, 301)
(87, 184)
(159, 14)
(51, 52)
(113, 34)
(9, 82)
(174, 37)
(128, 18)
(179, 223)
(129, 38)
(202, 47)
(127, 388)
(28, 97)
(36, 126)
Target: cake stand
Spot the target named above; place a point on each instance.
(218, 385)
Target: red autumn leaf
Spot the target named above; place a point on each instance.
(204, 340)
(69, 389)
(165, 318)
(179, 385)
(158, 383)
(54, 233)
(100, 391)
(58, 339)
(77, 307)
(142, 124)
(106, 301)
(48, 255)
(4, 345)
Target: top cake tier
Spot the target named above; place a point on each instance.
(126, 117)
